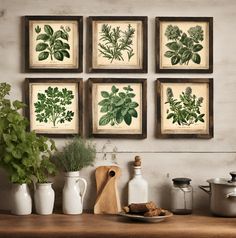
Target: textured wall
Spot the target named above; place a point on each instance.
(162, 159)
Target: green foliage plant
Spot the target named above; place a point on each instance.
(184, 47)
(52, 44)
(118, 106)
(52, 106)
(77, 154)
(22, 153)
(114, 42)
(185, 111)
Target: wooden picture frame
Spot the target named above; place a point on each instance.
(184, 44)
(128, 55)
(184, 107)
(55, 106)
(53, 44)
(117, 107)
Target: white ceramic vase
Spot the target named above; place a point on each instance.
(21, 202)
(44, 197)
(72, 199)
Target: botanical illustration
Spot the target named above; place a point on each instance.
(118, 106)
(52, 45)
(186, 110)
(114, 42)
(51, 106)
(184, 47)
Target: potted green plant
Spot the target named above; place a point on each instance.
(44, 195)
(77, 154)
(20, 151)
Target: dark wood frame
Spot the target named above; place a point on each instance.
(159, 81)
(143, 83)
(209, 20)
(78, 81)
(90, 20)
(27, 19)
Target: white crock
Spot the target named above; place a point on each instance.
(72, 200)
(21, 202)
(44, 198)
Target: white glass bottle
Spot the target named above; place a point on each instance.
(138, 186)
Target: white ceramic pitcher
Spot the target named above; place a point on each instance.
(72, 200)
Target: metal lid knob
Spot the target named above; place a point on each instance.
(233, 175)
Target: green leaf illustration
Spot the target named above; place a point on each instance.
(41, 46)
(114, 42)
(183, 45)
(58, 55)
(184, 111)
(118, 106)
(196, 58)
(51, 106)
(48, 29)
(43, 55)
(53, 43)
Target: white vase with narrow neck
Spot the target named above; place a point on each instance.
(72, 199)
(137, 188)
(21, 202)
(44, 197)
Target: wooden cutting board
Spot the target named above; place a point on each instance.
(108, 201)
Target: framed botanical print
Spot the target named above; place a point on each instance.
(117, 107)
(53, 44)
(184, 44)
(184, 107)
(117, 44)
(55, 106)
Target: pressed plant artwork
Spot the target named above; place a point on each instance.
(184, 107)
(52, 106)
(117, 44)
(184, 46)
(118, 106)
(52, 44)
(55, 106)
(114, 42)
(185, 110)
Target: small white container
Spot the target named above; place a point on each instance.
(44, 198)
(21, 202)
(138, 186)
(72, 200)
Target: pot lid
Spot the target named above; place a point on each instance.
(224, 181)
(181, 181)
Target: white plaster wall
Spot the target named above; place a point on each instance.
(162, 159)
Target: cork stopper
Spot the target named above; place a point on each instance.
(137, 161)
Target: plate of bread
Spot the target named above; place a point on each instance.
(147, 212)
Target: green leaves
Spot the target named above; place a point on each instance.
(43, 55)
(20, 150)
(196, 58)
(173, 46)
(185, 111)
(114, 42)
(184, 47)
(52, 46)
(118, 106)
(48, 29)
(52, 105)
(41, 46)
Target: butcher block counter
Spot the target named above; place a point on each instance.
(102, 226)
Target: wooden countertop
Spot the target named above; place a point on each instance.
(102, 226)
